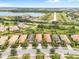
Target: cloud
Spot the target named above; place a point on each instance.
(53, 1)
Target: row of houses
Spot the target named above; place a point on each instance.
(13, 27)
(31, 37)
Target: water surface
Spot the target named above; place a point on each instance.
(21, 14)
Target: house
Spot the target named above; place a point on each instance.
(38, 37)
(13, 28)
(3, 39)
(47, 38)
(75, 37)
(3, 28)
(22, 38)
(31, 37)
(56, 38)
(22, 25)
(13, 39)
(65, 39)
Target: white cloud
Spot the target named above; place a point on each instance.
(53, 1)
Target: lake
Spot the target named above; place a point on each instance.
(21, 14)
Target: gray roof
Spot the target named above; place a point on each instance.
(56, 38)
(31, 37)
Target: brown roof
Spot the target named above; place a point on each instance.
(75, 37)
(38, 37)
(47, 37)
(22, 38)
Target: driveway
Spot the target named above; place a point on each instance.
(69, 47)
(49, 46)
(39, 46)
(47, 56)
(66, 51)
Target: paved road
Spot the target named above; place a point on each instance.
(21, 51)
(6, 53)
(29, 46)
(33, 52)
(67, 51)
(45, 51)
(55, 17)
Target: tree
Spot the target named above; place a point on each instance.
(15, 45)
(25, 44)
(5, 45)
(34, 44)
(73, 44)
(55, 56)
(13, 52)
(44, 43)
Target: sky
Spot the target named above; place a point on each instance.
(40, 3)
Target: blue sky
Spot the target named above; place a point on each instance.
(39, 3)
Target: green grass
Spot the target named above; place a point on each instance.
(55, 56)
(40, 56)
(72, 57)
(12, 57)
(26, 56)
